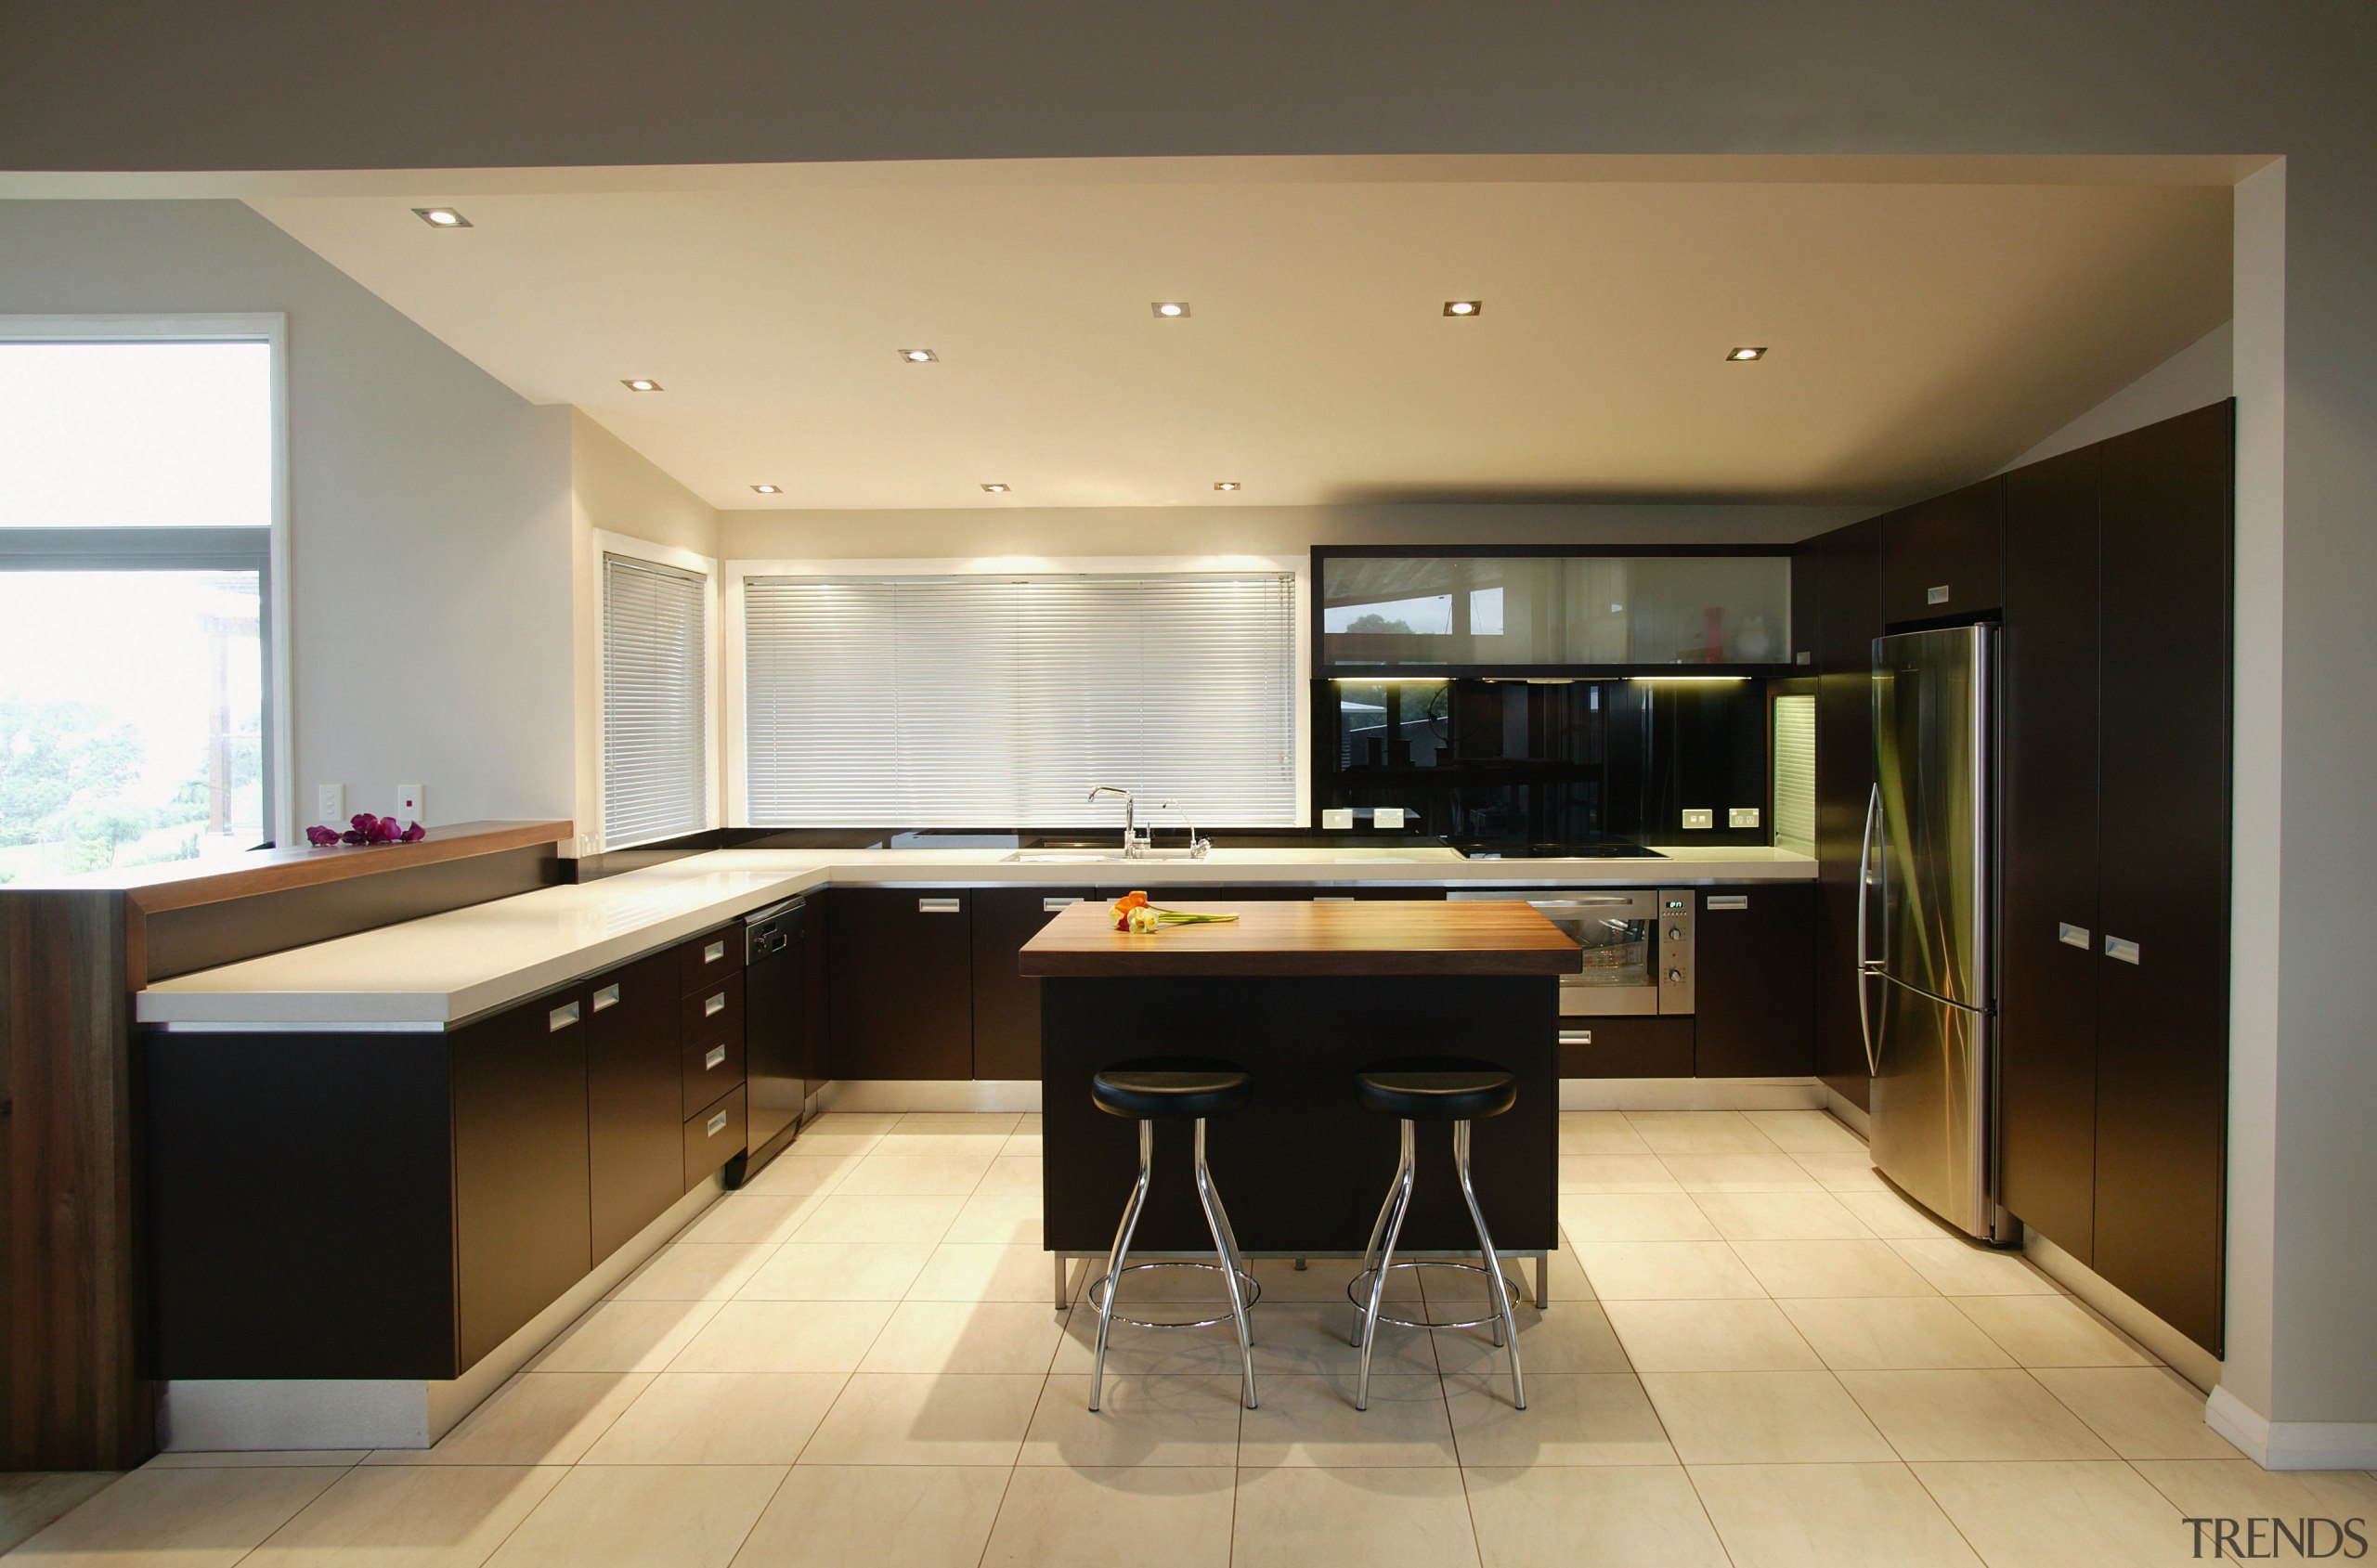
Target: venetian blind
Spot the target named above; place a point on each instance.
(981, 702)
(654, 702)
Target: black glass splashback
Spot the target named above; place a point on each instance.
(1574, 762)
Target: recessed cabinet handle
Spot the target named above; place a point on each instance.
(1575, 1037)
(714, 1056)
(1050, 906)
(2121, 947)
(717, 1125)
(560, 1018)
(1936, 595)
(1332, 898)
(2072, 936)
(1728, 900)
(714, 1005)
(713, 953)
(938, 906)
(606, 997)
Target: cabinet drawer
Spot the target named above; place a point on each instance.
(715, 1010)
(1624, 1048)
(708, 957)
(713, 1137)
(711, 1068)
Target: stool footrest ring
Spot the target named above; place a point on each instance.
(1250, 1291)
(1358, 1292)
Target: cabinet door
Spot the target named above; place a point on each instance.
(2163, 1021)
(2047, 989)
(1849, 564)
(521, 1233)
(816, 1069)
(633, 1103)
(903, 981)
(1940, 557)
(1007, 1005)
(1755, 996)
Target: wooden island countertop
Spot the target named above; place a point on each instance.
(1298, 938)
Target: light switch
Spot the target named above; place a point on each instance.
(1386, 816)
(329, 804)
(1699, 819)
(1741, 816)
(408, 805)
(1336, 818)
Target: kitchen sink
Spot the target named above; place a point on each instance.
(1093, 857)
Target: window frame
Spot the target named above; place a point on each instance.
(168, 548)
(1295, 567)
(671, 558)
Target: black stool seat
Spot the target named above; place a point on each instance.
(1170, 1088)
(1437, 1089)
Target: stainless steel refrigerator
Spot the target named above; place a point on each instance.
(1927, 924)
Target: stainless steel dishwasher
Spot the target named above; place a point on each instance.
(775, 1021)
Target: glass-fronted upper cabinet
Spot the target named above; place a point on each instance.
(1450, 613)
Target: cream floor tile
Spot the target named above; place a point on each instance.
(654, 1516)
(1891, 1217)
(1843, 1172)
(1569, 1419)
(2067, 1515)
(1634, 1216)
(1806, 1131)
(915, 1176)
(976, 1146)
(1829, 1516)
(1831, 1268)
(1140, 1420)
(784, 1337)
(1168, 1351)
(718, 1418)
(743, 1215)
(1294, 1516)
(1005, 1220)
(1666, 1271)
(2240, 1489)
(625, 1337)
(1160, 1517)
(537, 1418)
(1893, 1334)
(1699, 1132)
(1311, 1337)
(207, 1518)
(426, 1516)
(1614, 1516)
(980, 1272)
(800, 1171)
(1709, 1337)
(960, 1124)
(923, 1221)
(2051, 1331)
(1966, 1268)
(1306, 1419)
(1021, 1143)
(1763, 1417)
(1452, 1289)
(2145, 1412)
(1017, 1337)
(853, 1122)
(338, 1458)
(838, 1270)
(1568, 1337)
(1972, 1415)
(852, 1516)
(1615, 1173)
(1739, 1173)
(692, 1271)
(31, 1501)
(1011, 1176)
(1322, 1279)
(1780, 1216)
(886, 1418)
(1599, 1132)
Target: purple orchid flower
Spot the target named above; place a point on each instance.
(412, 834)
(321, 838)
(353, 836)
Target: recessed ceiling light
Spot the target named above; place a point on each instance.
(769, 489)
(441, 217)
(641, 383)
(1463, 307)
(1747, 354)
(1225, 483)
(1170, 308)
(996, 489)
(918, 356)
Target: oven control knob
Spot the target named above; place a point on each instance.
(1675, 933)
(1675, 977)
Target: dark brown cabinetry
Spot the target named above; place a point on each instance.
(632, 1115)
(1942, 558)
(1845, 567)
(901, 962)
(1007, 1005)
(1754, 994)
(1624, 1048)
(815, 1045)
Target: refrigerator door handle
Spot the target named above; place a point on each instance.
(1867, 967)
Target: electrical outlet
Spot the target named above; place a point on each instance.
(1741, 816)
(1386, 816)
(1336, 818)
(408, 809)
(330, 803)
(585, 846)
(1699, 819)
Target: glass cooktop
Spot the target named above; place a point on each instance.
(1482, 851)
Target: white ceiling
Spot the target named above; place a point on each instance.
(1922, 333)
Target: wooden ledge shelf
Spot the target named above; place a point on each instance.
(186, 883)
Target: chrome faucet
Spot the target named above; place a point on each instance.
(1197, 846)
(1134, 843)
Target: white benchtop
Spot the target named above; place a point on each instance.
(424, 974)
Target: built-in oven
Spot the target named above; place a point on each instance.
(1638, 958)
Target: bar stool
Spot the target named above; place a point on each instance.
(1174, 1089)
(1420, 1089)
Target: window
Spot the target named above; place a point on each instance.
(978, 702)
(656, 702)
(138, 486)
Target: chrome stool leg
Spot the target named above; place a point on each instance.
(1122, 1250)
(1365, 1324)
(1506, 1327)
(1397, 1190)
(1224, 1244)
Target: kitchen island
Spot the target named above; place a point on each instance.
(1302, 996)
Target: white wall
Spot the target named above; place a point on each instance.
(428, 524)
(2200, 373)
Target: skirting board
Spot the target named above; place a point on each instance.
(2292, 1445)
(1691, 1094)
(2186, 1357)
(295, 1414)
(1849, 1112)
(891, 1094)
